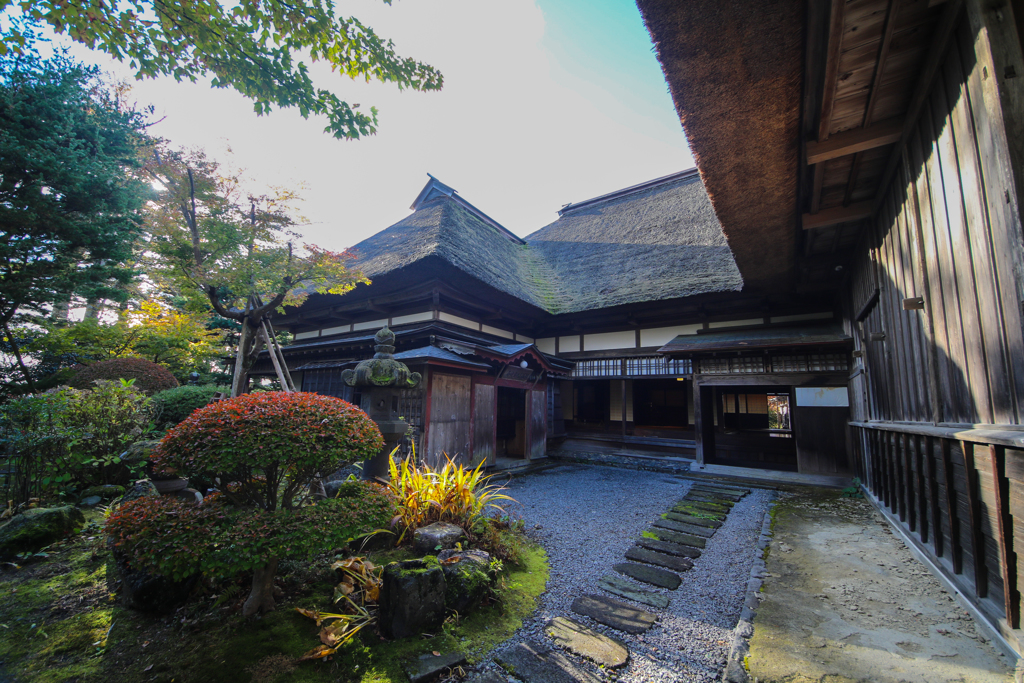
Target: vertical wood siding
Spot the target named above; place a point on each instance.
(449, 419)
(483, 423)
(944, 233)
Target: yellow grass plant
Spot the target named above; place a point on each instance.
(451, 494)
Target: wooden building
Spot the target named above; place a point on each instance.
(871, 152)
(615, 328)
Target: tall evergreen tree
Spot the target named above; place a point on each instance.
(70, 195)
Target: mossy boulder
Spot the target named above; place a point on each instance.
(467, 578)
(437, 536)
(143, 488)
(105, 491)
(38, 528)
(412, 598)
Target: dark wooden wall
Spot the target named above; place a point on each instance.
(450, 415)
(936, 401)
(484, 409)
(537, 412)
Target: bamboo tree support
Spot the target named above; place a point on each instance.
(277, 351)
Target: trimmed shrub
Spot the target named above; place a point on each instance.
(176, 539)
(174, 405)
(267, 447)
(149, 377)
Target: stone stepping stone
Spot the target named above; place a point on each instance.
(703, 505)
(724, 495)
(616, 585)
(677, 537)
(679, 564)
(536, 663)
(486, 677)
(586, 642)
(727, 488)
(683, 528)
(669, 548)
(614, 613)
(694, 521)
(427, 667)
(707, 498)
(651, 575)
(684, 509)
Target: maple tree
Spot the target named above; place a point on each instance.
(237, 249)
(251, 46)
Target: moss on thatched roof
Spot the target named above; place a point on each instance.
(659, 240)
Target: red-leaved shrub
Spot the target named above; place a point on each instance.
(265, 448)
(149, 377)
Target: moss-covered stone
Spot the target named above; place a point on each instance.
(38, 528)
(467, 579)
(104, 491)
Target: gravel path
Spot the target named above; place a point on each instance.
(586, 518)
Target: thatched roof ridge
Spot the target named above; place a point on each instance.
(452, 230)
(734, 68)
(655, 241)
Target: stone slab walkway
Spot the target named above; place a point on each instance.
(845, 601)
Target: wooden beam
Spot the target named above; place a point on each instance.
(1004, 536)
(835, 46)
(882, 133)
(936, 53)
(837, 215)
(974, 511)
(922, 489)
(952, 516)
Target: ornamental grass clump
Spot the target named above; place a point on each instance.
(451, 494)
(264, 450)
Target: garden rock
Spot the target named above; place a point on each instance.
(427, 667)
(412, 598)
(37, 528)
(467, 578)
(139, 452)
(188, 495)
(586, 642)
(149, 592)
(104, 491)
(429, 538)
(143, 488)
(91, 501)
(615, 613)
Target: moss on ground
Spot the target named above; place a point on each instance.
(60, 621)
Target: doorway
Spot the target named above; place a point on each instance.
(511, 423)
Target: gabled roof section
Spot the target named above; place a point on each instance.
(445, 226)
(754, 340)
(650, 242)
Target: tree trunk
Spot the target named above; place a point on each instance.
(243, 358)
(261, 597)
(21, 363)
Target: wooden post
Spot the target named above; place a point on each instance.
(698, 423)
(974, 510)
(956, 554)
(1004, 531)
(908, 483)
(623, 400)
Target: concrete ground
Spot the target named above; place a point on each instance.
(845, 601)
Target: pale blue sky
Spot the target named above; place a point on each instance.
(545, 102)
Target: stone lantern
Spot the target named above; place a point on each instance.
(380, 380)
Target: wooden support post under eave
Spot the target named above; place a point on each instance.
(698, 425)
(858, 140)
(837, 215)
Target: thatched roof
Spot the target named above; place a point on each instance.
(734, 68)
(447, 227)
(659, 240)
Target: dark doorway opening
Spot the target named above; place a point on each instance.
(592, 401)
(754, 428)
(511, 423)
(661, 407)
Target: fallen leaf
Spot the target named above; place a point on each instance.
(148, 668)
(436, 653)
(318, 652)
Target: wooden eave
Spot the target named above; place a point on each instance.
(797, 113)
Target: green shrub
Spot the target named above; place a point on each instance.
(149, 377)
(65, 440)
(177, 539)
(267, 447)
(174, 405)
